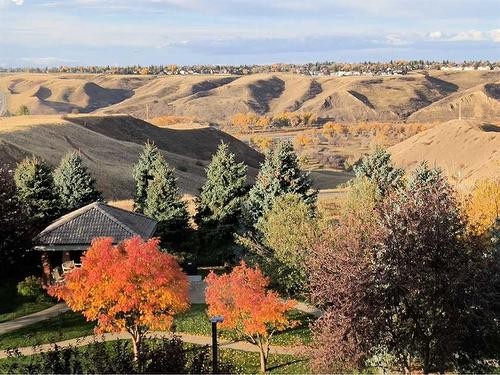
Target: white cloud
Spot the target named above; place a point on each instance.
(18, 2)
(436, 35)
(495, 35)
(470, 35)
(396, 40)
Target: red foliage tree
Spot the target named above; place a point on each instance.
(340, 282)
(247, 307)
(131, 287)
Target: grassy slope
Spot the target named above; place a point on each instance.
(13, 306)
(110, 146)
(66, 326)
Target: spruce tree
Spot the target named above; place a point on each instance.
(143, 174)
(163, 200)
(279, 175)
(220, 200)
(423, 176)
(36, 191)
(14, 227)
(74, 185)
(378, 167)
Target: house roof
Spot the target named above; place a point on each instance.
(76, 230)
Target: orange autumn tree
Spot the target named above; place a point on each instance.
(248, 308)
(131, 287)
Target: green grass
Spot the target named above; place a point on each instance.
(71, 325)
(248, 362)
(195, 321)
(66, 326)
(13, 306)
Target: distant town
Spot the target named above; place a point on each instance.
(327, 68)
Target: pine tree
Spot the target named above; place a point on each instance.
(220, 200)
(378, 167)
(279, 174)
(74, 185)
(163, 200)
(36, 191)
(143, 174)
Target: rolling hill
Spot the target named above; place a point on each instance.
(466, 150)
(419, 96)
(110, 145)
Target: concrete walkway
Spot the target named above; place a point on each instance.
(27, 320)
(192, 339)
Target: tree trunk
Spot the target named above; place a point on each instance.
(263, 361)
(263, 345)
(426, 359)
(136, 347)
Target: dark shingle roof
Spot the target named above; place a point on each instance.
(78, 228)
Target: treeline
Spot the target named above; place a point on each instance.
(250, 122)
(323, 68)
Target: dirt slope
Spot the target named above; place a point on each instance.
(110, 145)
(418, 96)
(480, 102)
(466, 150)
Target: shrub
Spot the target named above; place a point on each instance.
(23, 111)
(166, 355)
(32, 288)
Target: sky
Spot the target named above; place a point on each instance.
(39, 33)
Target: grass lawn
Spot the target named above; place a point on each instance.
(71, 325)
(248, 363)
(195, 321)
(66, 326)
(13, 306)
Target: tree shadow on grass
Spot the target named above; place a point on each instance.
(288, 363)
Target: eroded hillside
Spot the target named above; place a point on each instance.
(110, 145)
(419, 96)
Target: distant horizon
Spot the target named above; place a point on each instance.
(40, 33)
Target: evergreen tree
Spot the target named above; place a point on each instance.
(14, 228)
(143, 174)
(378, 167)
(36, 191)
(220, 200)
(74, 185)
(423, 176)
(279, 175)
(163, 200)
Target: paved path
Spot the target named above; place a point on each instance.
(27, 320)
(193, 339)
(309, 309)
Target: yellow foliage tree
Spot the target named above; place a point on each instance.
(483, 205)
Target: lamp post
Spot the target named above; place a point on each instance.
(214, 320)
